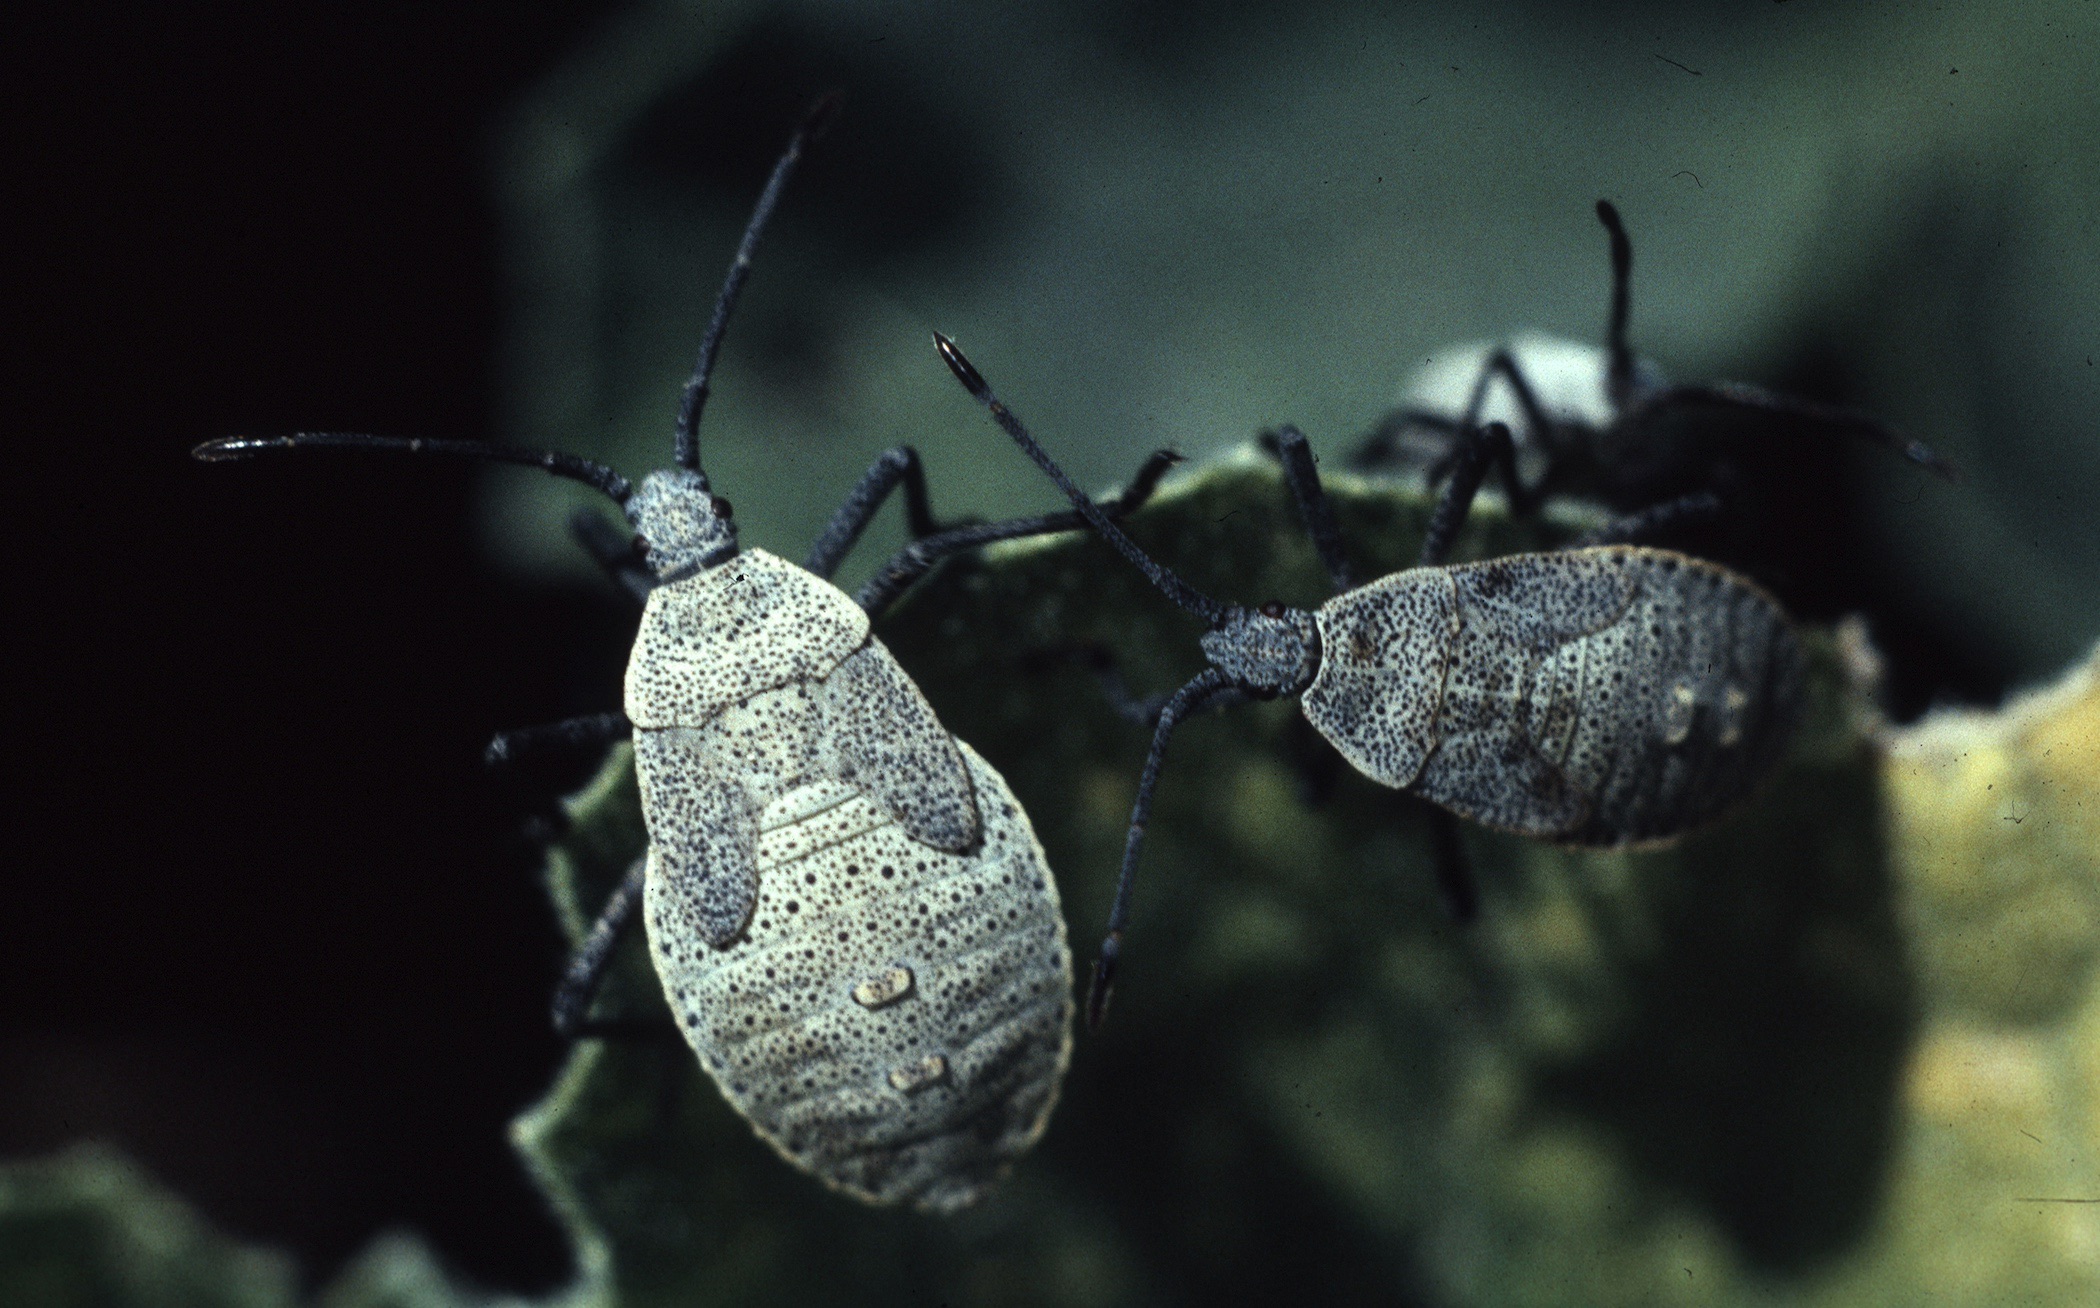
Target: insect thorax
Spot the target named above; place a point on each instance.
(685, 525)
(1268, 651)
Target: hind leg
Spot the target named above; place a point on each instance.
(585, 973)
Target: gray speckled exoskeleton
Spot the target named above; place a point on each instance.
(1609, 694)
(1580, 413)
(849, 912)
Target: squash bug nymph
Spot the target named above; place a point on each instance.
(1606, 695)
(850, 915)
(1579, 413)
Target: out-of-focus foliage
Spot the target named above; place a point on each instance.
(86, 1229)
(1164, 223)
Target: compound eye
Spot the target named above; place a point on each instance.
(724, 509)
(1273, 609)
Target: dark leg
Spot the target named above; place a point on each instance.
(1454, 871)
(916, 559)
(1302, 475)
(1481, 446)
(1696, 509)
(1202, 687)
(586, 969)
(900, 464)
(591, 729)
(1743, 398)
(1383, 443)
(1618, 381)
(1317, 764)
(1542, 429)
(1143, 710)
(613, 550)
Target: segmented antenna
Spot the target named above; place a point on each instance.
(1183, 594)
(1619, 380)
(572, 466)
(686, 440)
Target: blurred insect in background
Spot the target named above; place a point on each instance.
(1606, 694)
(1585, 419)
(849, 912)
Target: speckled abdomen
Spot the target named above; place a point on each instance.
(1684, 704)
(1598, 696)
(896, 1019)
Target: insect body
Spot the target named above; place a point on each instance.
(849, 912)
(1580, 413)
(1599, 696)
(850, 915)
(1605, 695)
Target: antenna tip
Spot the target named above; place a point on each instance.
(965, 372)
(818, 119)
(1103, 981)
(1608, 214)
(1098, 989)
(228, 448)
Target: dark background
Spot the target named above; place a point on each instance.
(268, 924)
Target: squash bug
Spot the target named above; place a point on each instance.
(1609, 694)
(1580, 413)
(850, 915)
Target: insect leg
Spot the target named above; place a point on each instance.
(1454, 871)
(1205, 684)
(1698, 508)
(899, 464)
(592, 729)
(1142, 710)
(1503, 364)
(1302, 474)
(1383, 443)
(613, 550)
(917, 558)
(1744, 398)
(1481, 446)
(586, 969)
(1316, 764)
(1618, 379)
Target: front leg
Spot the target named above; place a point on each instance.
(1481, 446)
(613, 550)
(592, 730)
(1302, 475)
(897, 465)
(1538, 424)
(1099, 659)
